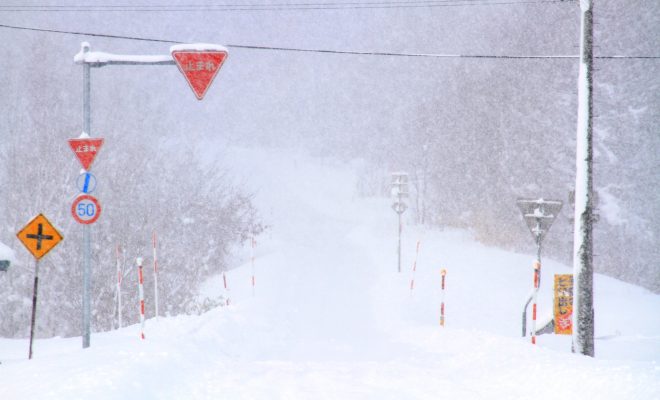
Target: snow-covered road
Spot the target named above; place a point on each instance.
(332, 319)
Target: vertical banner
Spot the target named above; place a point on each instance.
(563, 309)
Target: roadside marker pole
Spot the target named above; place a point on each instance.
(141, 295)
(254, 244)
(224, 280)
(155, 274)
(119, 324)
(442, 298)
(414, 268)
(537, 278)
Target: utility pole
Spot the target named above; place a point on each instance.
(583, 271)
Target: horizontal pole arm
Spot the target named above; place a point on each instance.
(100, 59)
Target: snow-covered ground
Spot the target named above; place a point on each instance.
(330, 318)
(6, 253)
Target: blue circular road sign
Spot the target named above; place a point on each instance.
(86, 182)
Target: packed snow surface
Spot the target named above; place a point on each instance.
(330, 318)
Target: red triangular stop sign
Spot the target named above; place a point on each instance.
(85, 150)
(199, 67)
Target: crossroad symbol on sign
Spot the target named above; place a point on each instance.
(39, 236)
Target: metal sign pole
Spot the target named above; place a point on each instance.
(209, 57)
(87, 270)
(399, 187)
(34, 306)
(539, 214)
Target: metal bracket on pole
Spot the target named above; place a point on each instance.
(100, 59)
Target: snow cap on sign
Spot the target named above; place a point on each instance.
(198, 47)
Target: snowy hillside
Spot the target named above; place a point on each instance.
(330, 318)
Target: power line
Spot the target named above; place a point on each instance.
(270, 4)
(274, 6)
(328, 51)
(88, 34)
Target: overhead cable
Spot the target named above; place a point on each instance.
(330, 51)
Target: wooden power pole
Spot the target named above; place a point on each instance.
(583, 293)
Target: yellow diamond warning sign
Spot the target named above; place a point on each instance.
(39, 236)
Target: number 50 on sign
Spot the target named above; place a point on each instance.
(86, 209)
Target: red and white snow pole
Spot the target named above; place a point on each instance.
(254, 244)
(119, 324)
(155, 274)
(224, 280)
(537, 279)
(141, 295)
(414, 268)
(442, 297)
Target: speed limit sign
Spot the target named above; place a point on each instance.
(86, 209)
